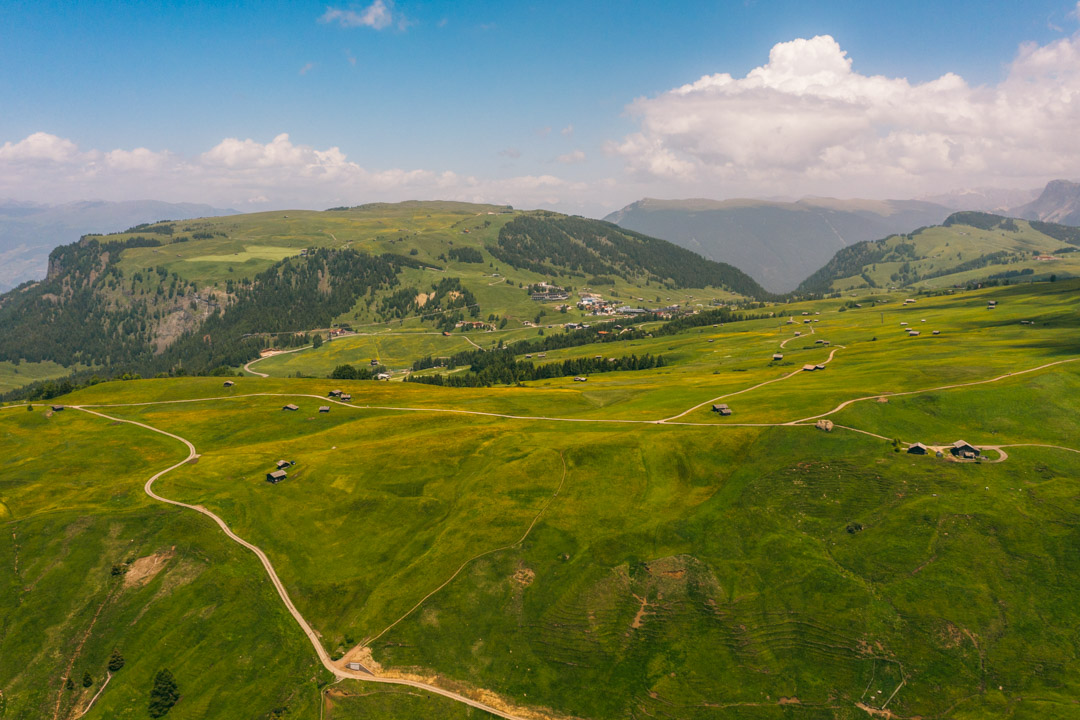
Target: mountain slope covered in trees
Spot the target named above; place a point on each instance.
(548, 242)
(207, 295)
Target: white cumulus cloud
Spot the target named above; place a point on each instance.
(807, 121)
(39, 146)
(278, 173)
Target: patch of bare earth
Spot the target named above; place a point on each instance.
(146, 568)
(362, 655)
(951, 636)
(421, 299)
(524, 576)
(639, 619)
(887, 714)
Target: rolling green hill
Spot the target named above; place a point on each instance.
(207, 295)
(607, 549)
(778, 243)
(969, 248)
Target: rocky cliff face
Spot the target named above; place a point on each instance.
(1058, 203)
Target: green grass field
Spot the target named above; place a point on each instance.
(13, 376)
(582, 565)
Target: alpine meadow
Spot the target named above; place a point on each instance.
(408, 432)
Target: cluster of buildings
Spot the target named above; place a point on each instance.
(474, 325)
(276, 476)
(959, 449)
(596, 305)
(546, 292)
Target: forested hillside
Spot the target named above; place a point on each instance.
(548, 242)
(89, 313)
(206, 296)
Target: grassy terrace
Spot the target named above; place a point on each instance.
(666, 571)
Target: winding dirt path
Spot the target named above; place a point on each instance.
(755, 387)
(312, 636)
(846, 403)
(798, 337)
(259, 359)
(108, 677)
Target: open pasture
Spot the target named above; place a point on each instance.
(90, 564)
(556, 545)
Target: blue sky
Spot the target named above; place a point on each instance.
(487, 91)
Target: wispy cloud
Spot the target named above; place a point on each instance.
(568, 130)
(511, 152)
(378, 16)
(308, 67)
(350, 57)
(544, 131)
(571, 158)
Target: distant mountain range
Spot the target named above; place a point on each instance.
(28, 231)
(985, 199)
(778, 244)
(1059, 203)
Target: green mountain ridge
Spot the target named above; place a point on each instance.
(206, 294)
(968, 248)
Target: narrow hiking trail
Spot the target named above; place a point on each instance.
(755, 387)
(798, 337)
(283, 352)
(468, 562)
(312, 636)
(1015, 373)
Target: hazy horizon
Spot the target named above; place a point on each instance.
(311, 106)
